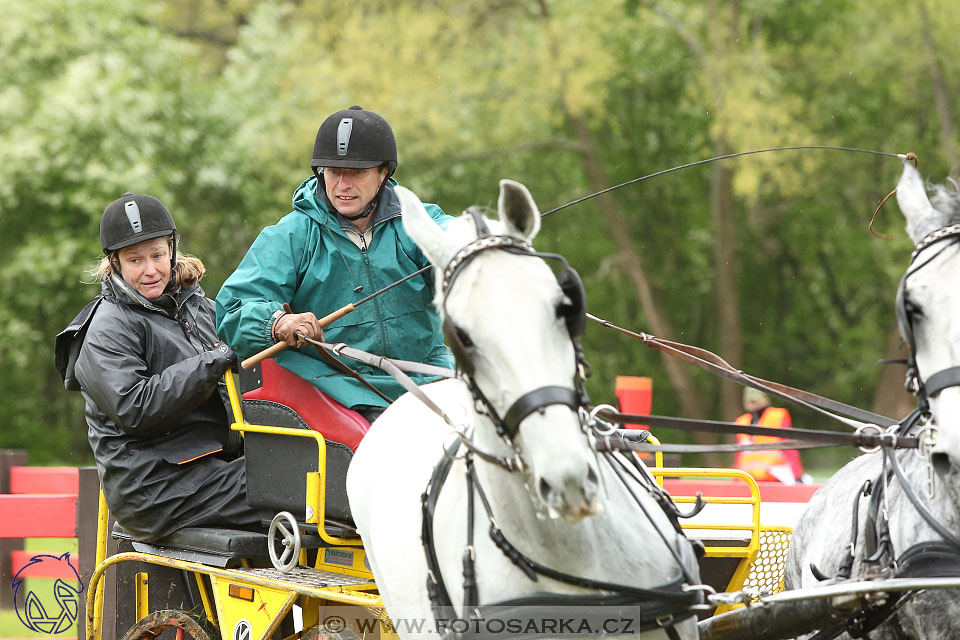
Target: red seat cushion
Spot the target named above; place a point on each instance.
(324, 414)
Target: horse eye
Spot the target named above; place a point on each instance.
(913, 308)
(464, 338)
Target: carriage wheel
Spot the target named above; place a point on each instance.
(286, 525)
(179, 624)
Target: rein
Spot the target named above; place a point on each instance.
(663, 605)
(799, 438)
(716, 365)
(938, 557)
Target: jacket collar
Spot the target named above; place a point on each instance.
(312, 201)
(118, 289)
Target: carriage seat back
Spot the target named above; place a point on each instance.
(277, 464)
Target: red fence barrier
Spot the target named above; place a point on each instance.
(45, 502)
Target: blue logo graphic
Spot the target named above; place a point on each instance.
(50, 608)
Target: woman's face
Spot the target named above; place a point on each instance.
(146, 266)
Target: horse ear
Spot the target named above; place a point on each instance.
(418, 224)
(518, 210)
(921, 217)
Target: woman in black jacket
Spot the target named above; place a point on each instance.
(146, 357)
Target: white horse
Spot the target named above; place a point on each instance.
(564, 508)
(929, 314)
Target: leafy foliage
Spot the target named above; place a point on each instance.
(212, 106)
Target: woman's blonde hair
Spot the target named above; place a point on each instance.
(188, 271)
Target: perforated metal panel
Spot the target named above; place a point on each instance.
(766, 571)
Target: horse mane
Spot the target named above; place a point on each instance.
(946, 200)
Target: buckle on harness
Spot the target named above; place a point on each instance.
(665, 620)
(881, 435)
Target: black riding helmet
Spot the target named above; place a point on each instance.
(355, 138)
(133, 218)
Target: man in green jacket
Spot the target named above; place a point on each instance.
(343, 241)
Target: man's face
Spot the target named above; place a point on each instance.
(351, 190)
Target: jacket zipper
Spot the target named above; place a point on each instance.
(384, 345)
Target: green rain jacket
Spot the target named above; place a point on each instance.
(308, 260)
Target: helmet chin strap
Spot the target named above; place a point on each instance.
(373, 201)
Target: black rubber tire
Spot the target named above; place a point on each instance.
(154, 624)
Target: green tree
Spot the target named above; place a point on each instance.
(766, 260)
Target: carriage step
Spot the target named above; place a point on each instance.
(306, 577)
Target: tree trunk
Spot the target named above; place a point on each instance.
(725, 285)
(690, 399)
(938, 83)
(724, 38)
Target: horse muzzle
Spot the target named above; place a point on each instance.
(569, 490)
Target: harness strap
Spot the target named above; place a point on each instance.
(595, 610)
(930, 559)
(536, 400)
(846, 567)
(716, 365)
(393, 367)
(863, 438)
(942, 380)
(663, 605)
(668, 591)
(339, 366)
(877, 541)
(436, 589)
(471, 597)
(932, 520)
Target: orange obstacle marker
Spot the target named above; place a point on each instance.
(634, 395)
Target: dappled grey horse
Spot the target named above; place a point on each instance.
(903, 509)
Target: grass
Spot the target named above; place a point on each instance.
(10, 624)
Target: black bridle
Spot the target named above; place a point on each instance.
(662, 606)
(572, 310)
(925, 557)
(940, 380)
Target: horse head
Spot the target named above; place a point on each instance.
(928, 311)
(512, 326)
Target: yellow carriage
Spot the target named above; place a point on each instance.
(301, 577)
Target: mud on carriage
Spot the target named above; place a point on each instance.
(498, 498)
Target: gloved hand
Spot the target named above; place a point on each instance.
(287, 326)
(224, 349)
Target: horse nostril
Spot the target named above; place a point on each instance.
(941, 463)
(545, 490)
(591, 486)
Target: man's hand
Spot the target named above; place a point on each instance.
(287, 327)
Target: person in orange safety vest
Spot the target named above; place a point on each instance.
(770, 465)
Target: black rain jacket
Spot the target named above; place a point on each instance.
(150, 379)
